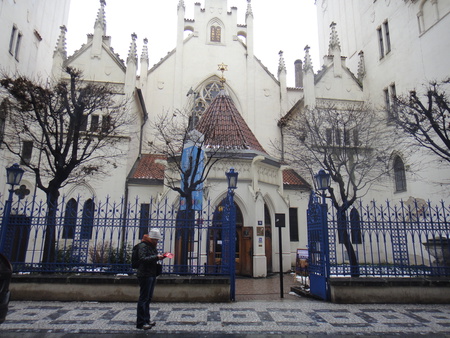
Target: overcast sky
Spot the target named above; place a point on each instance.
(287, 25)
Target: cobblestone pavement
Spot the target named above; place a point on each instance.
(255, 313)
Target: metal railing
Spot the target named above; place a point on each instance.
(90, 236)
(405, 240)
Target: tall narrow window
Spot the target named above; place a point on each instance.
(27, 150)
(329, 136)
(380, 42)
(106, 123)
(144, 219)
(399, 175)
(16, 52)
(387, 99)
(12, 39)
(215, 33)
(4, 109)
(87, 220)
(94, 123)
(355, 226)
(83, 123)
(70, 219)
(387, 36)
(293, 224)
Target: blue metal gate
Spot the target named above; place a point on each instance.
(319, 269)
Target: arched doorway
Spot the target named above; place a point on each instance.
(244, 243)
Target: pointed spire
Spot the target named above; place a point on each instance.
(281, 63)
(132, 54)
(249, 9)
(307, 65)
(334, 40)
(61, 43)
(361, 66)
(181, 4)
(144, 55)
(101, 21)
(223, 126)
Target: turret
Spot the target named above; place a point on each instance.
(283, 86)
(99, 31)
(308, 81)
(335, 50)
(249, 23)
(144, 65)
(59, 55)
(130, 76)
(298, 66)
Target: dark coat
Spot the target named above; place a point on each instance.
(148, 258)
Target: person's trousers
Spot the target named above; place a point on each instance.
(147, 286)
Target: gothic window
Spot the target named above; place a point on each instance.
(399, 175)
(87, 221)
(70, 219)
(210, 92)
(216, 32)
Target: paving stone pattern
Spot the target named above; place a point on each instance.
(284, 316)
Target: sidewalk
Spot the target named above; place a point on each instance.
(258, 311)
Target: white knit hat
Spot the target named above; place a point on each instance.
(155, 234)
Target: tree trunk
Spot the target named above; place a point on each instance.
(344, 238)
(49, 254)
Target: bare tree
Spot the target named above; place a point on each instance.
(351, 142)
(191, 154)
(53, 119)
(426, 119)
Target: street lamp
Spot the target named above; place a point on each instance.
(232, 177)
(323, 182)
(13, 177)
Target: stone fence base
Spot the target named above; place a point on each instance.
(118, 288)
(390, 290)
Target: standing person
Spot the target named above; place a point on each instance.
(146, 274)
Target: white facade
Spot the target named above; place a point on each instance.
(417, 53)
(29, 33)
(404, 45)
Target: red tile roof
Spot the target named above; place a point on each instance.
(292, 179)
(147, 168)
(223, 126)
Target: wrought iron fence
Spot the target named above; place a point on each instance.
(405, 240)
(89, 236)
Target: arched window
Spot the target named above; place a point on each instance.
(216, 34)
(87, 221)
(70, 219)
(399, 174)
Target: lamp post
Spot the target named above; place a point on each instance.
(13, 177)
(232, 177)
(323, 180)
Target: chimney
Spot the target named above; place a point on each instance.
(298, 64)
